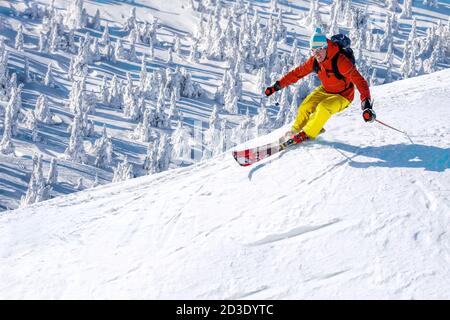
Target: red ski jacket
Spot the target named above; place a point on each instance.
(330, 83)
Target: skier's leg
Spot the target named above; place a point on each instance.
(307, 107)
(325, 109)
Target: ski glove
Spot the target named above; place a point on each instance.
(270, 90)
(368, 113)
(366, 104)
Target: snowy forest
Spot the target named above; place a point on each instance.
(92, 94)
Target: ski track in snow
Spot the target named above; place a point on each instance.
(298, 231)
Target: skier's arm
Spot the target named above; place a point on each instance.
(348, 69)
(298, 73)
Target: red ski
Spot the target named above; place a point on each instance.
(250, 156)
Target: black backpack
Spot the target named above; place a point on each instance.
(344, 43)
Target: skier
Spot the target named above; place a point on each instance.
(338, 74)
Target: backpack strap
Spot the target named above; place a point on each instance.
(334, 64)
(335, 70)
(316, 67)
(337, 74)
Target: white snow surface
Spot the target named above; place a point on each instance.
(361, 213)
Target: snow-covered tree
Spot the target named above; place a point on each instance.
(143, 75)
(389, 53)
(143, 131)
(389, 65)
(26, 70)
(103, 96)
(262, 120)
(79, 185)
(412, 62)
(75, 102)
(71, 71)
(131, 22)
(405, 67)
(173, 113)
(262, 81)
(334, 15)
(109, 53)
(292, 112)
(224, 139)
(42, 110)
(160, 119)
(119, 51)
(212, 134)
(123, 171)
(96, 22)
(388, 37)
(19, 39)
(316, 21)
(177, 46)
(217, 49)
(274, 5)
(308, 18)
(344, 9)
(95, 51)
(115, 93)
(413, 33)
(14, 106)
(150, 163)
(67, 43)
(84, 57)
(194, 54)
(164, 153)
(181, 141)
(54, 39)
(103, 150)
(151, 51)
(36, 186)
(96, 182)
(12, 84)
(407, 9)
(243, 132)
(169, 60)
(74, 18)
(130, 100)
(231, 104)
(42, 44)
(393, 5)
(105, 36)
(52, 176)
(395, 23)
(373, 79)
(75, 150)
(283, 110)
(49, 81)
(6, 145)
(133, 36)
(33, 12)
(149, 32)
(31, 124)
(188, 87)
(431, 64)
(132, 52)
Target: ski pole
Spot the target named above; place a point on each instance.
(384, 124)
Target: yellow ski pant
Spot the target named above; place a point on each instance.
(316, 109)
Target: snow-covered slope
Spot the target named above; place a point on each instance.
(39, 34)
(360, 213)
